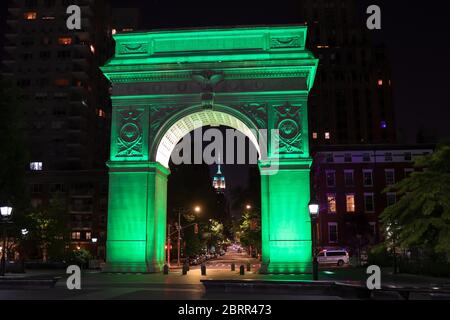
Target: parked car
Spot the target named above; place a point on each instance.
(333, 257)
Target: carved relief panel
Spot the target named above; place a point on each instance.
(130, 136)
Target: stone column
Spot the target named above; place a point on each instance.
(286, 226)
(136, 216)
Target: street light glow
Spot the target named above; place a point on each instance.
(248, 207)
(197, 209)
(313, 209)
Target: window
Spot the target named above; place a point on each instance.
(332, 232)
(314, 135)
(65, 41)
(327, 136)
(366, 157)
(61, 82)
(88, 235)
(57, 188)
(348, 178)
(369, 205)
(408, 156)
(37, 188)
(330, 158)
(368, 178)
(30, 15)
(36, 166)
(388, 157)
(331, 179)
(380, 82)
(348, 157)
(92, 48)
(76, 235)
(350, 203)
(390, 176)
(331, 201)
(391, 199)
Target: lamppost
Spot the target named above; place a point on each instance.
(5, 212)
(314, 213)
(94, 244)
(197, 209)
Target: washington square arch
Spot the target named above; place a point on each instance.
(166, 82)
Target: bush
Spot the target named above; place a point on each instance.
(79, 257)
(380, 256)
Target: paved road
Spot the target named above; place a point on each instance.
(97, 285)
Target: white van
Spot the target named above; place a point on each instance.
(333, 257)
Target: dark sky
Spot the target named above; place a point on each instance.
(417, 36)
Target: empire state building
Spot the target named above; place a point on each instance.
(219, 179)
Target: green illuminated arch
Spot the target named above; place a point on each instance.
(245, 78)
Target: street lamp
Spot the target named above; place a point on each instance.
(248, 207)
(197, 209)
(314, 214)
(5, 212)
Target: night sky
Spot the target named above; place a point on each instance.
(417, 36)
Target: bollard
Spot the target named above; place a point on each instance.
(242, 270)
(203, 268)
(249, 267)
(166, 269)
(185, 269)
(233, 267)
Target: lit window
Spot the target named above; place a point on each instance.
(314, 135)
(88, 235)
(101, 113)
(350, 201)
(113, 31)
(331, 200)
(390, 176)
(62, 82)
(48, 18)
(327, 136)
(369, 203)
(92, 48)
(36, 166)
(65, 41)
(332, 232)
(31, 15)
(380, 82)
(76, 235)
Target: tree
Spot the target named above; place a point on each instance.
(421, 218)
(49, 229)
(250, 230)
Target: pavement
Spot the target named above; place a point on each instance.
(96, 285)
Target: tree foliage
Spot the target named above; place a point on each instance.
(421, 218)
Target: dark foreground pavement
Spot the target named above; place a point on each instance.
(96, 285)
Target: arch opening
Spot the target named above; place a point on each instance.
(197, 120)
